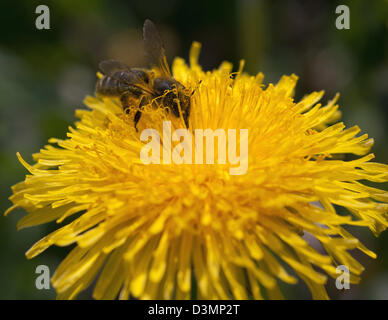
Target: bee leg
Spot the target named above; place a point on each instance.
(137, 118)
(125, 101)
(138, 112)
(186, 119)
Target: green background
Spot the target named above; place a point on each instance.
(45, 74)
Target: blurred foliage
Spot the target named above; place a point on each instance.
(47, 73)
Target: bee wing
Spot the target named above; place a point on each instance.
(109, 67)
(144, 87)
(112, 69)
(154, 48)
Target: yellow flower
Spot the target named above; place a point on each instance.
(194, 230)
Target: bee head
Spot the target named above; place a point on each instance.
(181, 101)
(175, 96)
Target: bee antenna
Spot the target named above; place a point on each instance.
(192, 92)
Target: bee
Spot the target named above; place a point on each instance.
(141, 85)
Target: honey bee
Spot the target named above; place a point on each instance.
(141, 85)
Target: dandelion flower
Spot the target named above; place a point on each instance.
(189, 231)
